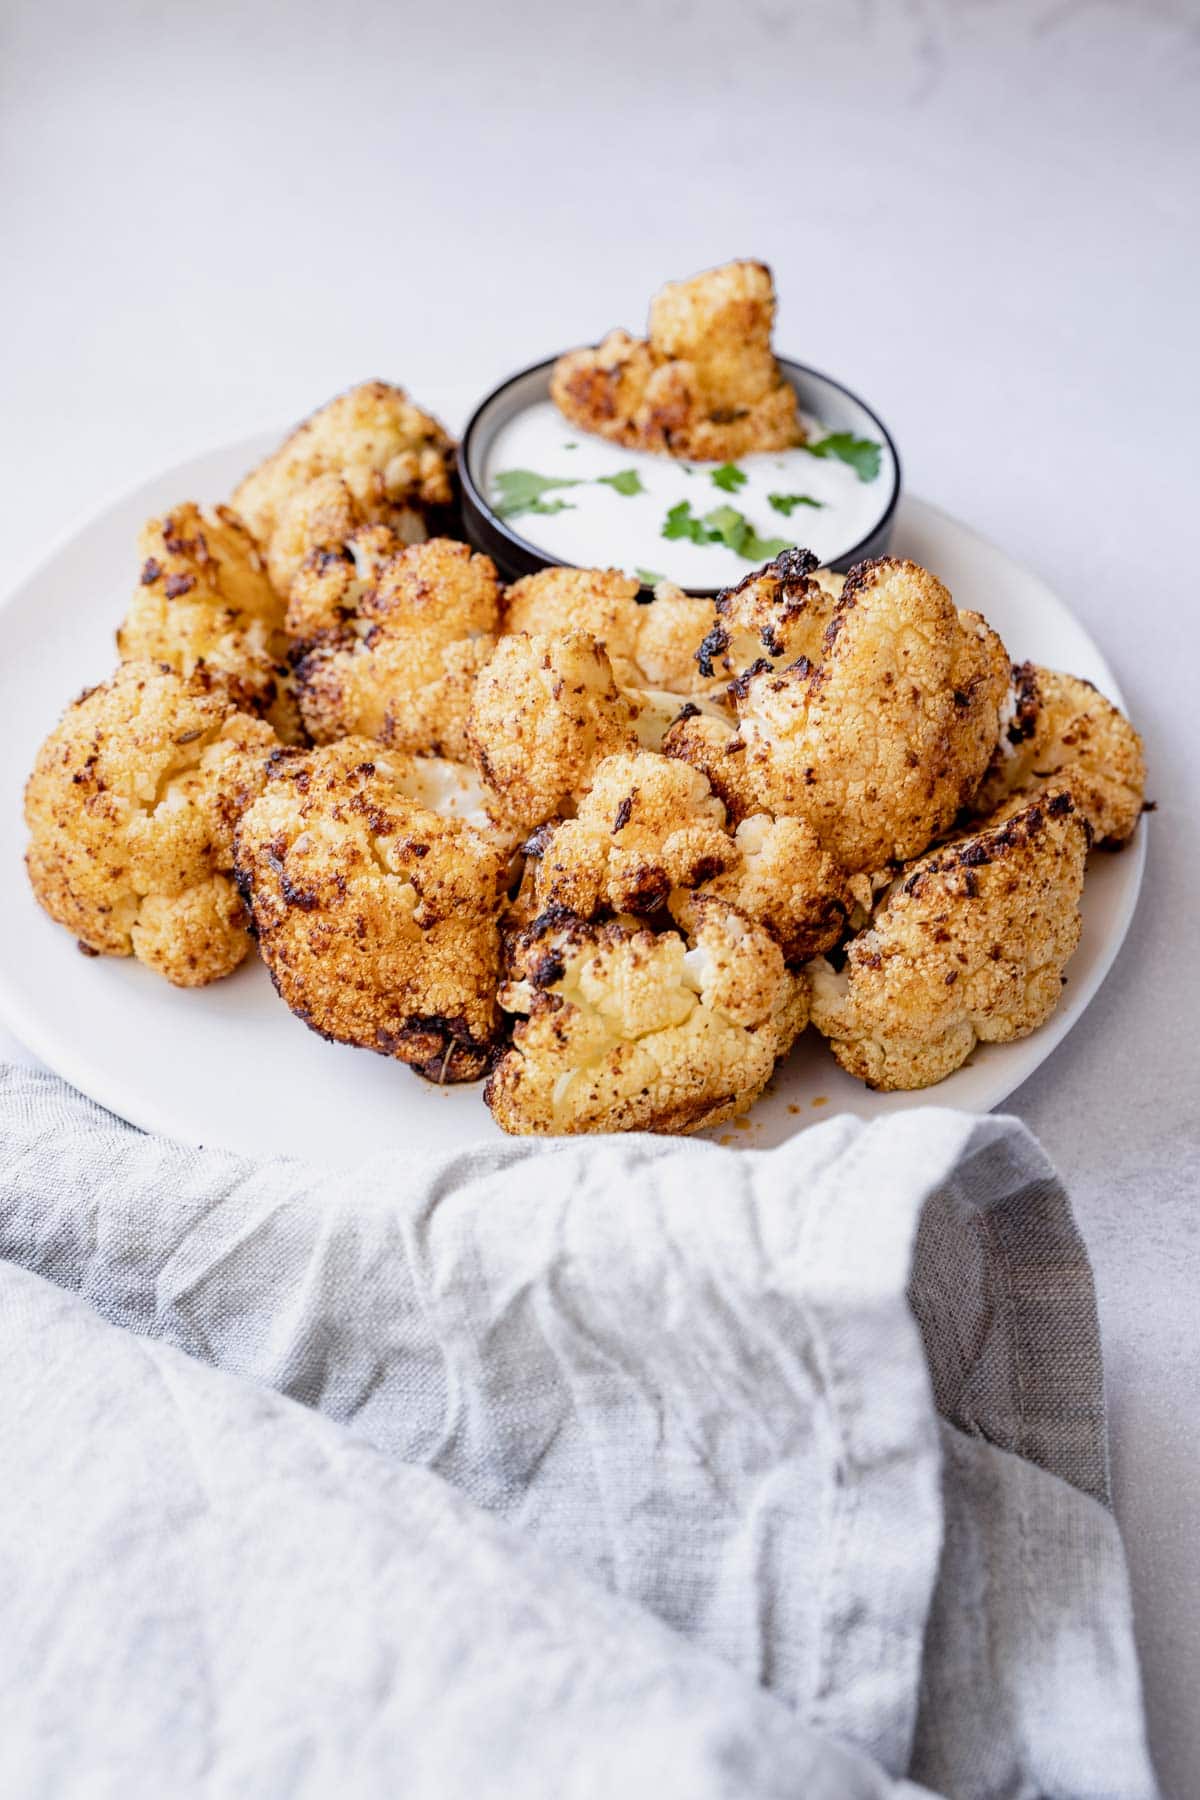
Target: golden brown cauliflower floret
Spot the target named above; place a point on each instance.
(131, 808)
(203, 601)
(397, 464)
(782, 879)
(705, 384)
(317, 521)
(714, 747)
(773, 615)
(651, 646)
(646, 825)
(376, 917)
(627, 1029)
(882, 742)
(327, 593)
(968, 946)
(403, 667)
(650, 833)
(1062, 732)
(544, 713)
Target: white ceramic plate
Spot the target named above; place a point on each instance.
(228, 1065)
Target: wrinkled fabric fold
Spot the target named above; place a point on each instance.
(707, 1381)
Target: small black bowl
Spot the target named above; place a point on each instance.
(819, 396)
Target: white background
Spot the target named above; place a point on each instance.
(982, 216)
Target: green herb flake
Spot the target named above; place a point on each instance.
(649, 577)
(759, 550)
(679, 523)
(521, 491)
(726, 525)
(787, 503)
(570, 446)
(723, 525)
(861, 454)
(729, 478)
(627, 482)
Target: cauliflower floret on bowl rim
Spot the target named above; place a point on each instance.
(131, 808)
(377, 918)
(966, 946)
(704, 384)
(622, 1028)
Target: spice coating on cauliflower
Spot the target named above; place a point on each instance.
(397, 464)
(327, 592)
(705, 384)
(628, 1030)
(131, 807)
(772, 616)
(376, 918)
(545, 711)
(645, 826)
(882, 742)
(651, 646)
(782, 879)
(203, 601)
(403, 667)
(968, 946)
(1062, 732)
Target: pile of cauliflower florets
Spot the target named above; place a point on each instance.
(614, 856)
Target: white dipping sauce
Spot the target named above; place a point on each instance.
(599, 527)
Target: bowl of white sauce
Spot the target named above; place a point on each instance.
(537, 492)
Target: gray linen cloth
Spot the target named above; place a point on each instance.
(614, 1467)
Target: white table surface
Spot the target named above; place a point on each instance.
(981, 216)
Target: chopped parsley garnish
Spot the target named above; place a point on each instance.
(626, 481)
(729, 478)
(862, 454)
(571, 446)
(679, 523)
(723, 525)
(759, 550)
(649, 577)
(787, 503)
(521, 491)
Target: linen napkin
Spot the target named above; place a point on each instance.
(583, 1467)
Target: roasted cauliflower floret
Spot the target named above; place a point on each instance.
(714, 746)
(1060, 731)
(781, 879)
(626, 1029)
(646, 825)
(882, 742)
(131, 808)
(396, 462)
(544, 713)
(203, 601)
(652, 646)
(403, 666)
(376, 917)
(705, 384)
(772, 616)
(327, 592)
(967, 946)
